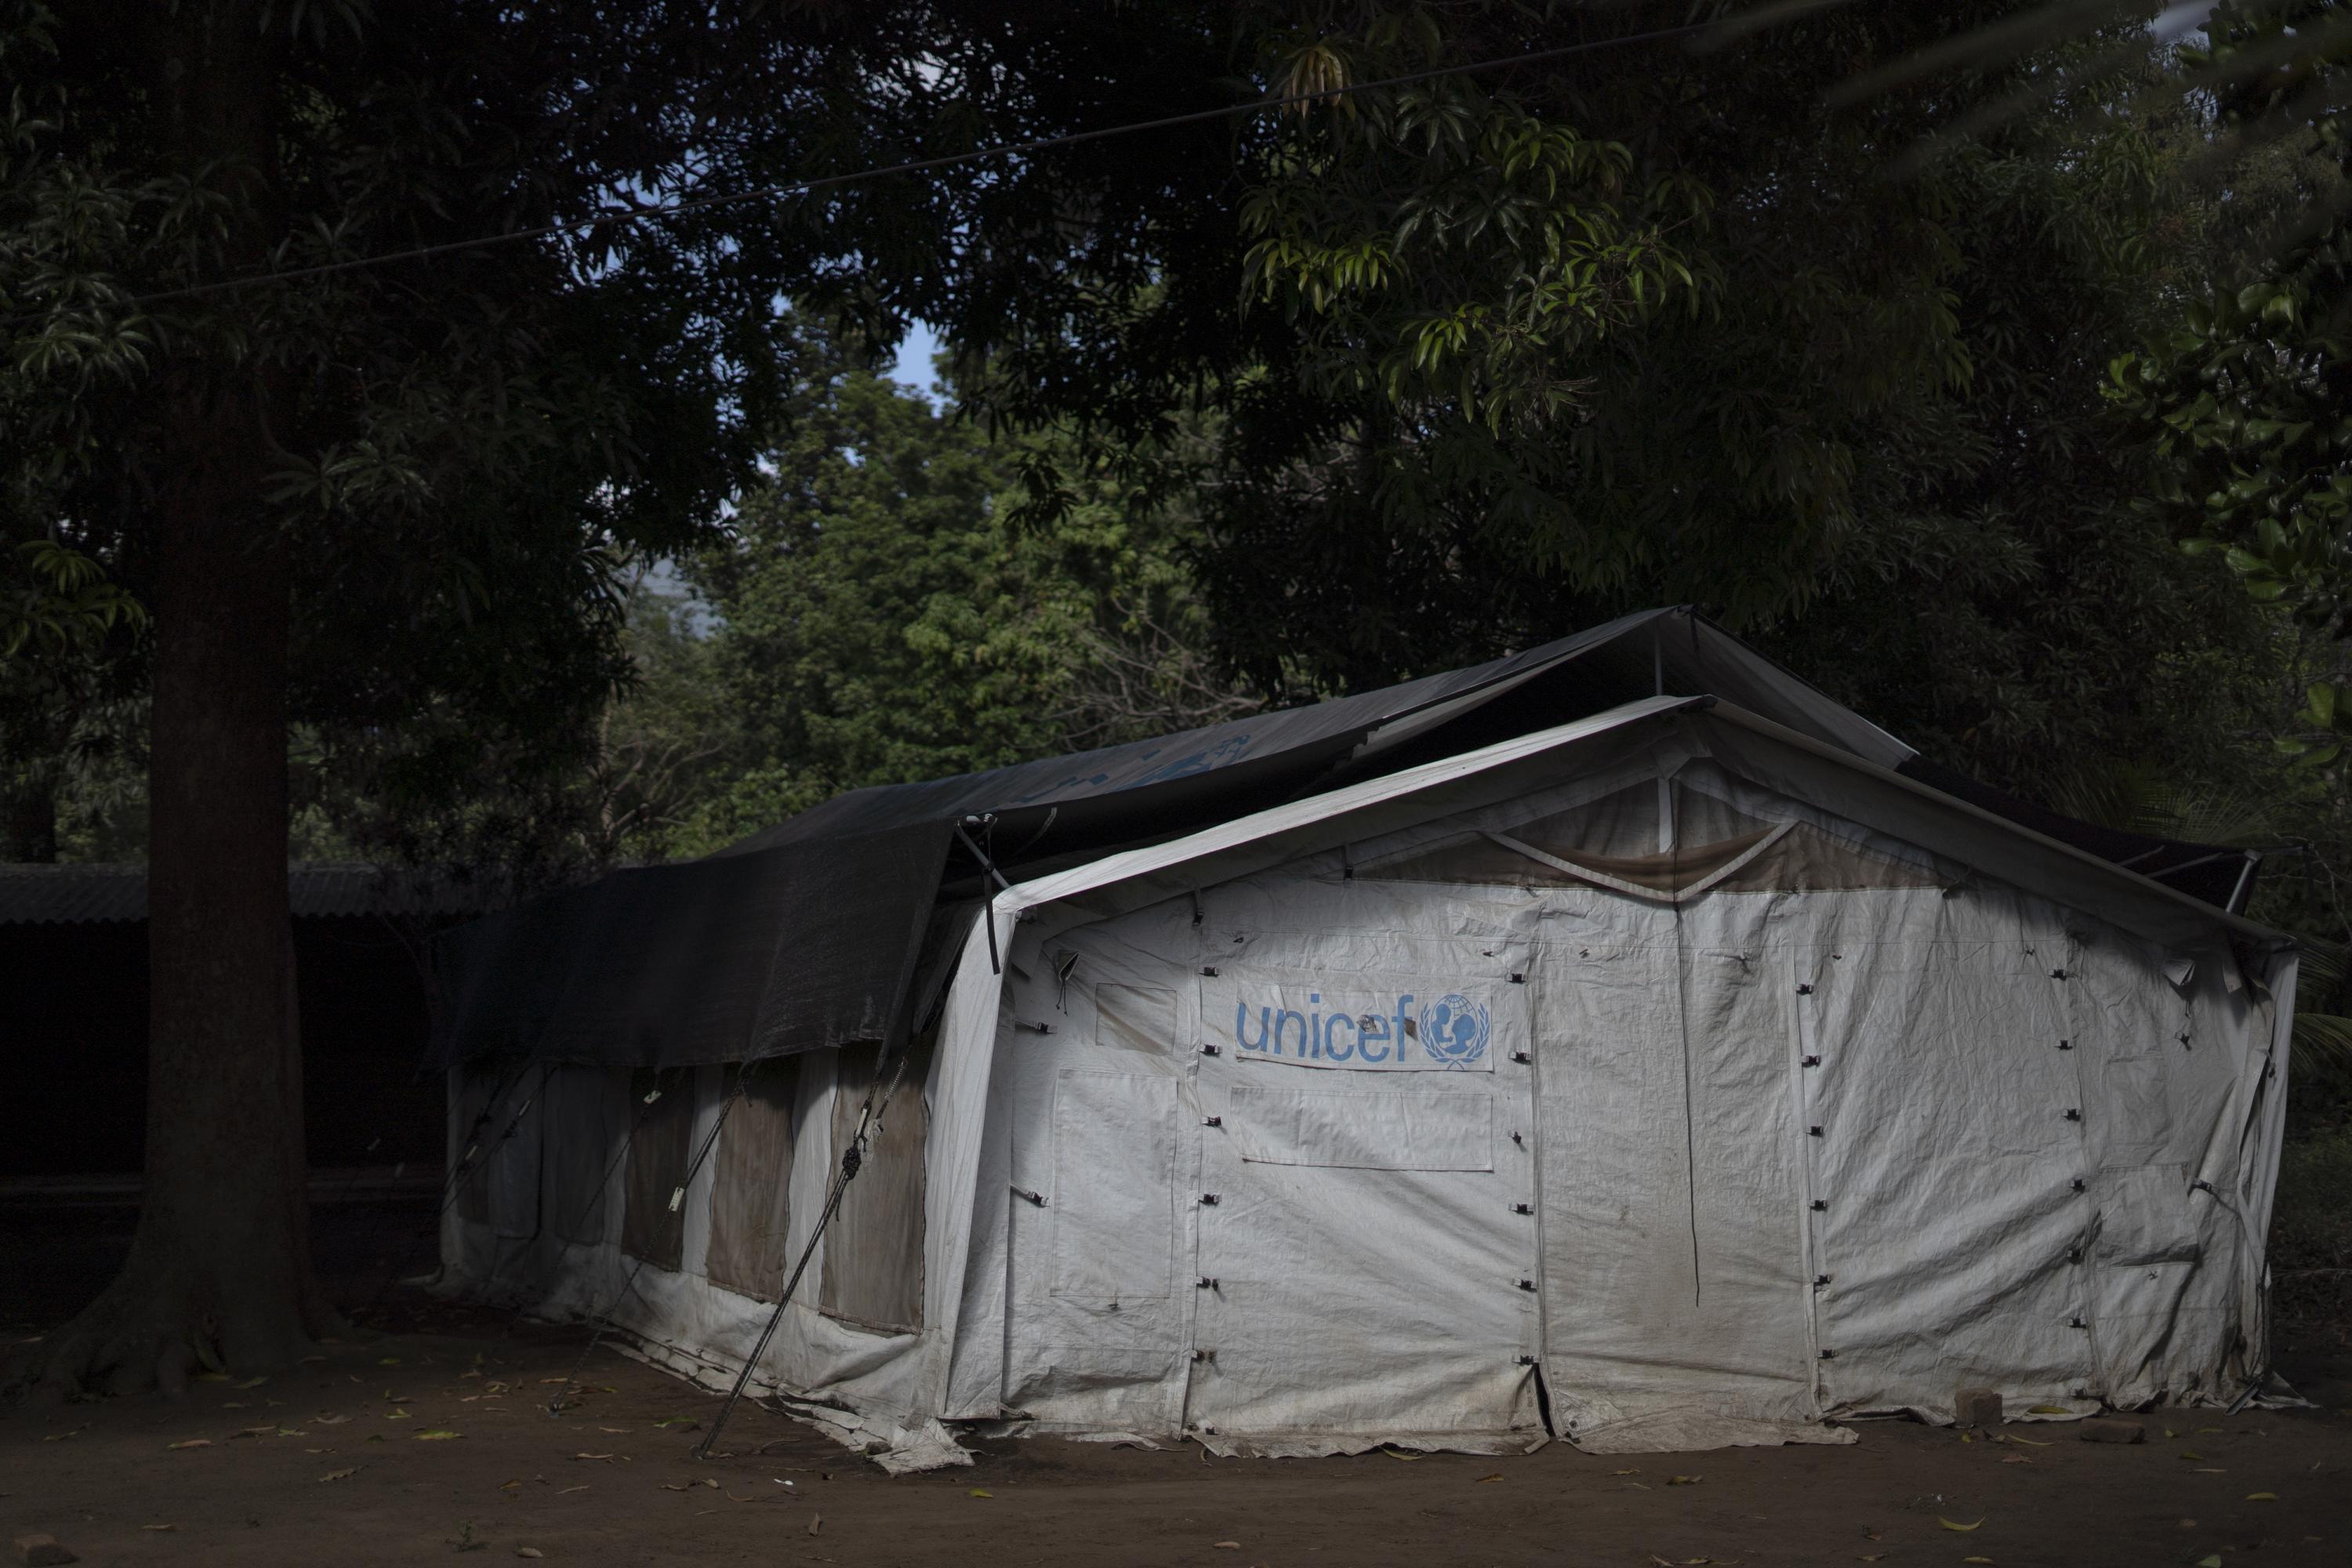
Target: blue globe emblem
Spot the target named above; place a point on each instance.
(1455, 1029)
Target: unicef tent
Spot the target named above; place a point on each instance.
(1684, 1071)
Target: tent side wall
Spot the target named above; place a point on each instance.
(1944, 1134)
(568, 1217)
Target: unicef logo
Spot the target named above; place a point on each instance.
(1453, 1029)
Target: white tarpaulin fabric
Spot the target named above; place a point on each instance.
(1651, 1082)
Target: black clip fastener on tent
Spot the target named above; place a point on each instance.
(985, 821)
(1037, 1198)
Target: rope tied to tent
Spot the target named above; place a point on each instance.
(853, 1159)
(986, 823)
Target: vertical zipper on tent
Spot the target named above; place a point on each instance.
(2086, 1311)
(1533, 1153)
(1804, 1064)
(1682, 1023)
(1201, 1128)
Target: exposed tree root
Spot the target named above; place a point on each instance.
(157, 1327)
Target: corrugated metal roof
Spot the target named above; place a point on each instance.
(70, 895)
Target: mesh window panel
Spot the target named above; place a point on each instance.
(874, 1248)
(588, 1112)
(650, 1227)
(751, 1191)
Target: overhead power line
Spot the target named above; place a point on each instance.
(912, 167)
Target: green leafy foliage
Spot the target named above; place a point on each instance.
(873, 619)
(1516, 351)
(2248, 397)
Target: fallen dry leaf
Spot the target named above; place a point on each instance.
(817, 1522)
(340, 1475)
(2029, 1442)
(529, 1552)
(1947, 1524)
(978, 1492)
(159, 1527)
(2262, 1497)
(1684, 1480)
(1482, 1480)
(580, 1489)
(2187, 1454)
(1632, 1472)
(1976, 1559)
(1229, 1546)
(439, 1434)
(616, 1429)
(588, 1455)
(2015, 1460)
(1872, 1557)
(672, 1487)
(329, 1420)
(192, 1443)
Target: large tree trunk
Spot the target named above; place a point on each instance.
(219, 1272)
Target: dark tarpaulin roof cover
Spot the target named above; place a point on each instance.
(808, 934)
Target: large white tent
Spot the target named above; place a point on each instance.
(1669, 1076)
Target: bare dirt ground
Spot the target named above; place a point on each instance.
(344, 1462)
